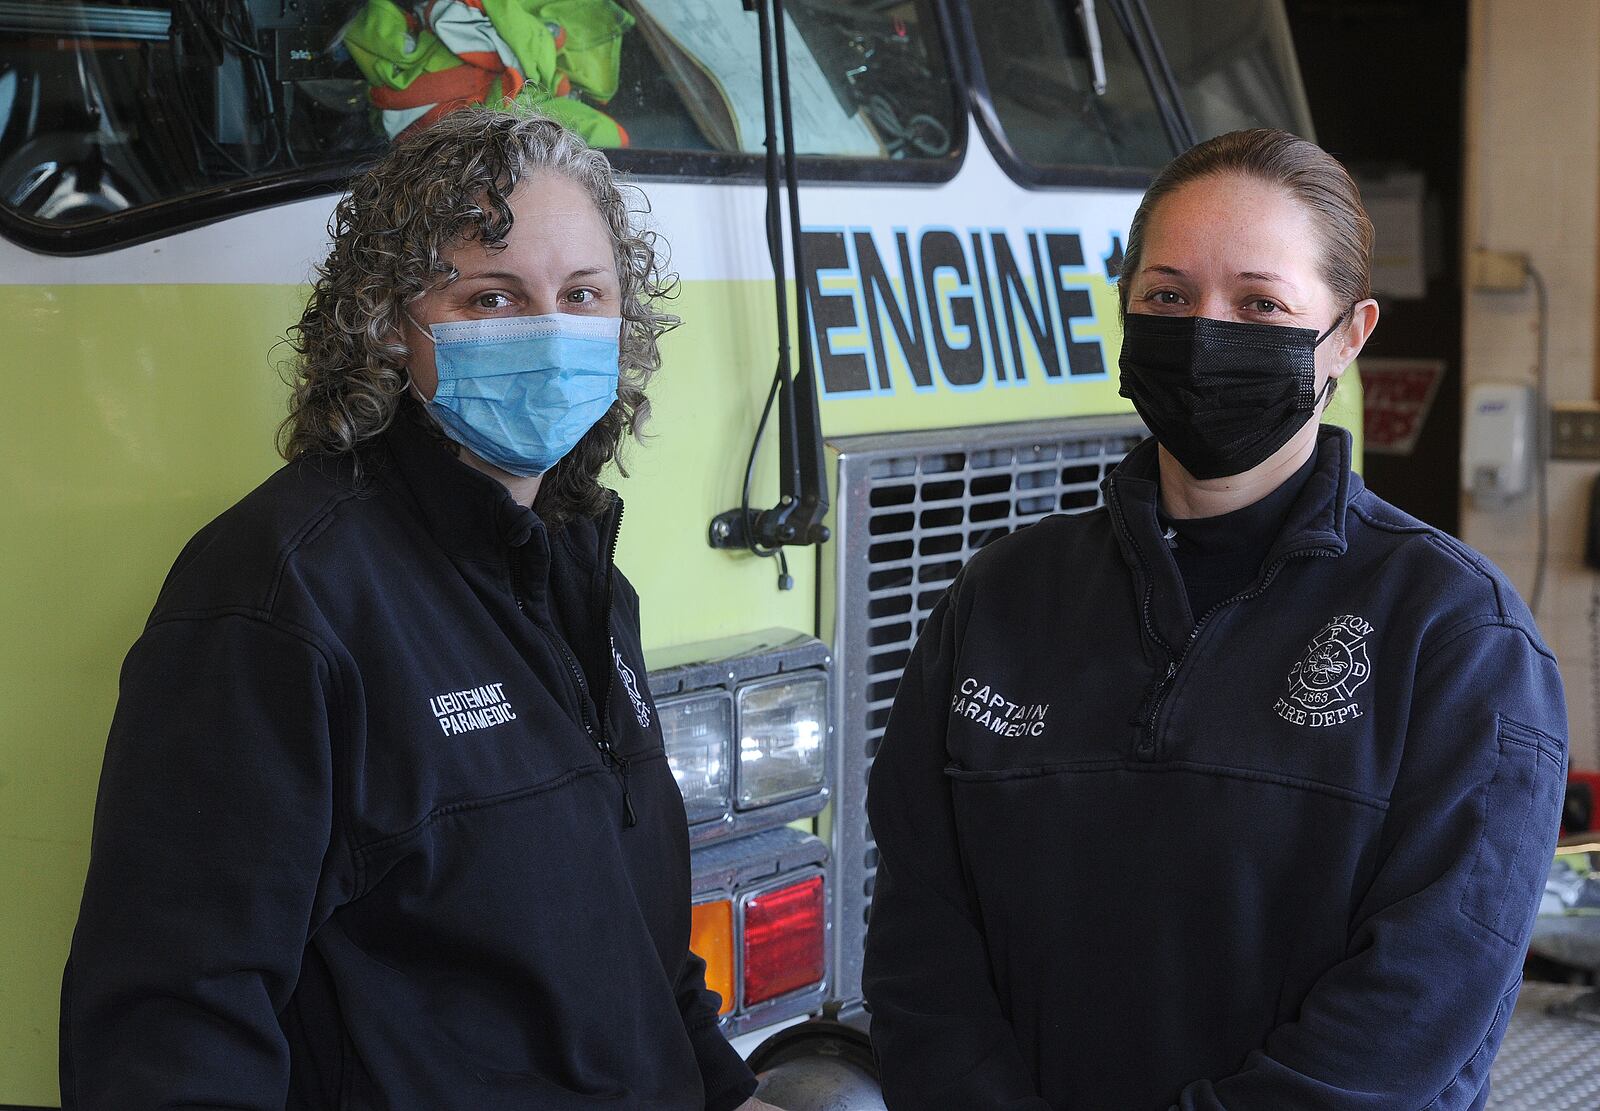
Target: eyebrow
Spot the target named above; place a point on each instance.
(498, 275)
(1245, 275)
(508, 276)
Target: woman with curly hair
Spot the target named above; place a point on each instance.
(376, 828)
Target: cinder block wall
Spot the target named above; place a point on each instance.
(1533, 186)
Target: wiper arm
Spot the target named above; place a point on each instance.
(807, 526)
(1157, 73)
(1097, 53)
(802, 460)
(1174, 90)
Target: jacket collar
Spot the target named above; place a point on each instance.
(473, 516)
(468, 513)
(1315, 522)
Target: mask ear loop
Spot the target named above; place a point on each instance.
(411, 382)
(1327, 390)
(1332, 328)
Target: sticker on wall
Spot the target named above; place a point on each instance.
(1397, 395)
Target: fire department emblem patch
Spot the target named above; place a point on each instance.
(630, 683)
(1322, 685)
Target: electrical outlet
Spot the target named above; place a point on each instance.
(1575, 430)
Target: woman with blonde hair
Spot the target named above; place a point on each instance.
(1238, 792)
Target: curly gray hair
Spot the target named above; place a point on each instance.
(444, 185)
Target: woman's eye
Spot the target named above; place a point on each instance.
(1264, 307)
(1165, 297)
(491, 300)
(581, 297)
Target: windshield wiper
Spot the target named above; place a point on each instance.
(1174, 90)
(1097, 53)
(1157, 73)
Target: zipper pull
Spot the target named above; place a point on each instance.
(629, 818)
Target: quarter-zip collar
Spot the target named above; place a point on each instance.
(1317, 518)
(468, 513)
(1316, 522)
(472, 516)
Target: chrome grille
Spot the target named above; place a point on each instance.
(912, 509)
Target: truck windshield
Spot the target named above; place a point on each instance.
(112, 107)
(1065, 106)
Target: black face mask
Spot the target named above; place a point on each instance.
(1221, 396)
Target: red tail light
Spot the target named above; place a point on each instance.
(783, 940)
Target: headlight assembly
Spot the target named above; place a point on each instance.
(698, 732)
(782, 731)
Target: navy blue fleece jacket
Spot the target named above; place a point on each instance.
(1283, 854)
(361, 840)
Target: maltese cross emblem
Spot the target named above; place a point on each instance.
(1335, 664)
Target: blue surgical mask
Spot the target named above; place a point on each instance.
(521, 391)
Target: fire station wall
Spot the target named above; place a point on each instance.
(1532, 164)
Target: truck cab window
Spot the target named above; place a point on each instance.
(1234, 63)
(868, 80)
(1064, 106)
(112, 107)
(1041, 70)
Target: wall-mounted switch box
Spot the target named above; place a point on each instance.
(1575, 430)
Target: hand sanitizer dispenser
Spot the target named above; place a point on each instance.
(1497, 445)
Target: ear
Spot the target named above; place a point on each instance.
(1363, 319)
